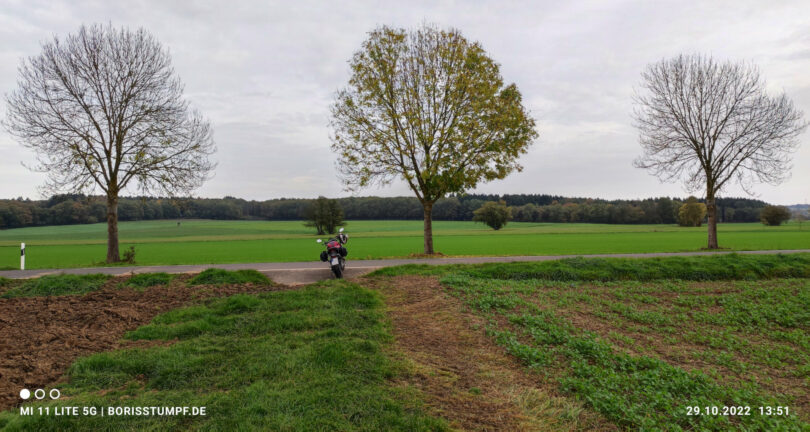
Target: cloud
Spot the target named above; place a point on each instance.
(265, 74)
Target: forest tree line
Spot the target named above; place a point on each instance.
(80, 209)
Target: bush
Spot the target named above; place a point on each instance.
(146, 280)
(692, 213)
(219, 276)
(774, 215)
(56, 285)
(494, 214)
(129, 255)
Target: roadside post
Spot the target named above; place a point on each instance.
(22, 256)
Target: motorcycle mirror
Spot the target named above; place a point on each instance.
(319, 241)
(341, 230)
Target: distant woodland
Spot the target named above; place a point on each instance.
(81, 209)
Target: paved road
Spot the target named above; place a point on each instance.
(297, 273)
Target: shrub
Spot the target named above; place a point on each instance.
(129, 255)
(494, 214)
(219, 276)
(691, 213)
(774, 215)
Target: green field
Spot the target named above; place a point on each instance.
(311, 359)
(654, 355)
(215, 242)
(644, 344)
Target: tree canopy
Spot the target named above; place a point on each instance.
(493, 213)
(430, 108)
(325, 215)
(69, 209)
(691, 213)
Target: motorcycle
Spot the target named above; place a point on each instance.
(335, 253)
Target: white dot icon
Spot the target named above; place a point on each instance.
(25, 393)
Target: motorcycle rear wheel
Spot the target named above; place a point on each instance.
(337, 271)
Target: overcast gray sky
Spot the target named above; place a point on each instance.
(265, 72)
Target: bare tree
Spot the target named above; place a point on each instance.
(103, 108)
(430, 108)
(801, 215)
(713, 123)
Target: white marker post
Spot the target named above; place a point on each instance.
(22, 256)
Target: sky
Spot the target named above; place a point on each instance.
(266, 72)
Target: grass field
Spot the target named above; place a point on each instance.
(217, 242)
(655, 355)
(312, 359)
(633, 344)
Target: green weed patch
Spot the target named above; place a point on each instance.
(146, 280)
(744, 326)
(55, 285)
(219, 276)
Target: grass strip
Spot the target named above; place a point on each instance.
(214, 276)
(695, 268)
(57, 285)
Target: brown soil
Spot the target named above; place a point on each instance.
(465, 377)
(41, 336)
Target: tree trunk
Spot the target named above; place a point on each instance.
(711, 212)
(428, 206)
(112, 230)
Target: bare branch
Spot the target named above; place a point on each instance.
(103, 108)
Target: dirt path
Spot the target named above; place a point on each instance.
(465, 377)
(300, 273)
(41, 336)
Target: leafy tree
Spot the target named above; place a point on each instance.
(494, 214)
(335, 217)
(103, 108)
(691, 213)
(431, 108)
(775, 215)
(447, 209)
(526, 213)
(325, 215)
(666, 210)
(713, 123)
